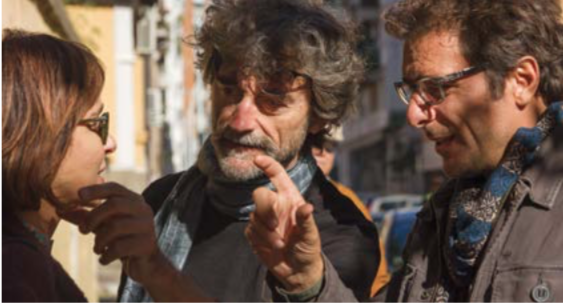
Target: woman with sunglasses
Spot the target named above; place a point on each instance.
(54, 142)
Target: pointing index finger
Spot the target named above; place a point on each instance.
(277, 174)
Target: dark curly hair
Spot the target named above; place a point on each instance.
(300, 35)
(493, 33)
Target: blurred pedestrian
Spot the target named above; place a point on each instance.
(281, 72)
(483, 79)
(325, 158)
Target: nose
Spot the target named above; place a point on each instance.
(111, 145)
(245, 114)
(244, 117)
(418, 113)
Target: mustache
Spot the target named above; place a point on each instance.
(251, 139)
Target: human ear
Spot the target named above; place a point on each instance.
(525, 77)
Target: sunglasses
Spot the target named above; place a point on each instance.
(98, 125)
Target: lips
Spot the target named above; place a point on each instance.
(230, 145)
(100, 172)
(443, 144)
(243, 144)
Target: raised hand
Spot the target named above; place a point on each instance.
(282, 230)
(124, 229)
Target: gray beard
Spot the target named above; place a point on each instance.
(219, 168)
(232, 173)
(224, 170)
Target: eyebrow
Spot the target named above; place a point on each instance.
(412, 77)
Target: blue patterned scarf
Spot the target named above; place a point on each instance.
(478, 201)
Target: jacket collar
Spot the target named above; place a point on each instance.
(543, 178)
(437, 206)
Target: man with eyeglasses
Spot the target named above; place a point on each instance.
(282, 73)
(483, 80)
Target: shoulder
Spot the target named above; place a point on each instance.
(350, 194)
(27, 271)
(333, 205)
(545, 175)
(18, 251)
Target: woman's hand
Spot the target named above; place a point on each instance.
(124, 229)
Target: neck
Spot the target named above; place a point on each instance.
(292, 162)
(44, 220)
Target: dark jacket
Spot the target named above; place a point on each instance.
(523, 260)
(29, 272)
(224, 266)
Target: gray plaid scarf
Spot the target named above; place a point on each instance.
(177, 220)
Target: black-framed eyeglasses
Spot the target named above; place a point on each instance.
(98, 125)
(432, 90)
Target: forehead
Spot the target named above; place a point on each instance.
(286, 78)
(433, 55)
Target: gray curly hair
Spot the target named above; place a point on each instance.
(300, 35)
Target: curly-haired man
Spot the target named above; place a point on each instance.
(282, 73)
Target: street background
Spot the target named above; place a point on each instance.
(160, 112)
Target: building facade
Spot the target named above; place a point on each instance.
(381, 154)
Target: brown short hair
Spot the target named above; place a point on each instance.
(493, 33)
(48, 85)
(301, 35)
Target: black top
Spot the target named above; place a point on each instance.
(29, 272)
(224, 266)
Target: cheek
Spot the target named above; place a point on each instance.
(79, 168)
(68, 181)
(492, 138)
(485, 138)
(469, 115)
(220, 114)
(488, 125)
